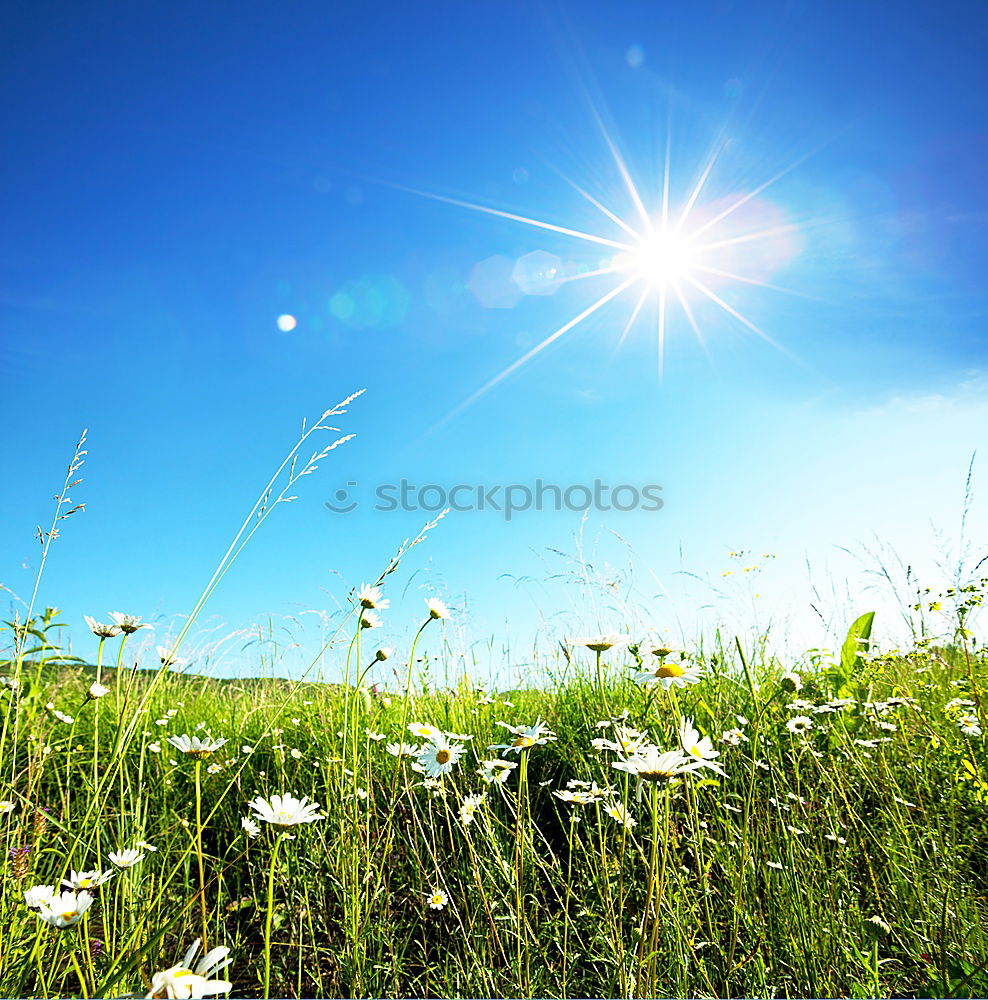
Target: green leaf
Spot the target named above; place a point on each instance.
(858, 638)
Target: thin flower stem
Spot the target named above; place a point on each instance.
(602, 690)
(78, 971)
(202, 870)
(269, 916)
(521, 921)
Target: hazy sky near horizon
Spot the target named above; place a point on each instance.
(177, 179)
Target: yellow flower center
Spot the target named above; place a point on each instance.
(442, 757)
(68, 915)
(670, 670)
(524, 741)
(85, 883)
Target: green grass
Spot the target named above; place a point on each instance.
(758, 883)
(847, 860)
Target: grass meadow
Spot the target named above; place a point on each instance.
(646, 822)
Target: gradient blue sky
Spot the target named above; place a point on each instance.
(177, 177)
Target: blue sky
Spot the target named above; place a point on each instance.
(179, 178)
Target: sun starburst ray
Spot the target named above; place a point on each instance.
(715, 298)
(613, 269)
(691, 201)
(554, 336)
(761, 234)
(631, 319)
(622, 168)
(757, 282)
(754, 193)
(513, 217)
(665, 189)
(688, 312)
(616, 219)
(662, 329)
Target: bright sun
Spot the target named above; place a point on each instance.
(664, 254)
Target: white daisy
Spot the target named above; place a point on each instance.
(436, 787)
(249, 827)
(97, 690)
(656, 765)
(654, 646)
(437, 608)
(620, 814)
(125, 859)
(600, 643)
(957, 703)
(496, 771)
(791, 681)
(168, 657)
(190, 980)
(589, 786)
(127, 623)
(286, 810)
(193, 746)
(577, 796)
(969, 725)
(65, 909)
(439, 756)
(733, 737)
(526, 737)
(103, 631)
(701, 750)
(799, 724)
(671, 673)
(436, 899)
(370, 619)
(469, 807)
(370, 597)
(39, 895)
(424, 731)
(86, 880)
(626, 741)
(402, 749)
